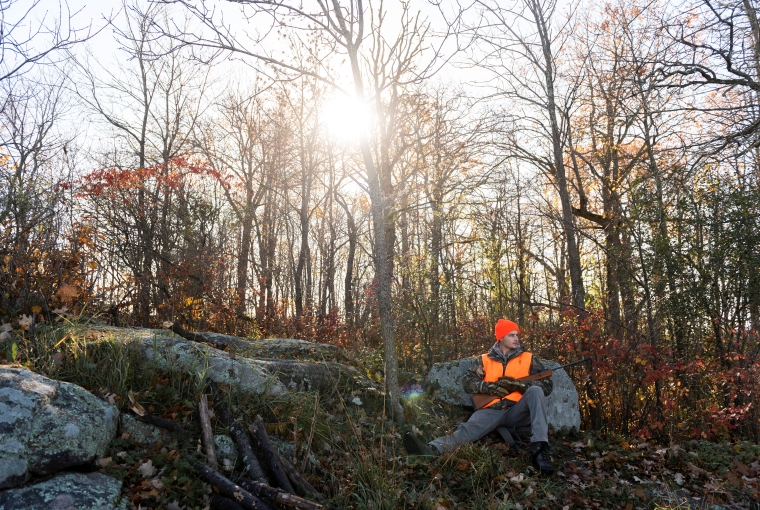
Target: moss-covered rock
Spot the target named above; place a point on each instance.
(71, 491)
(293, 349)
(47, 425)
(252, 376)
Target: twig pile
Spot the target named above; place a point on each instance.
(287, 489)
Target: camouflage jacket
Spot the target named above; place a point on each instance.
(473, 380)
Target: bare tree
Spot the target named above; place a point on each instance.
(152, 107)
(526, 63)
(717, 48)
(29, 36)
(391, 62)
(34, 176)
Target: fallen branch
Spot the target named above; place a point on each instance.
(174, 427)
(270, 455)
(189, 335)
(250, 461)
(278, 496)
(233, 491)
(303, 487)
(208, 435)
(216, 339)
(219, 502)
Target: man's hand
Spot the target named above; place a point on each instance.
(510, 384)
(500, 392)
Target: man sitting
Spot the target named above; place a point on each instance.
(515, 403)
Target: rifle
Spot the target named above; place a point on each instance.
(481, 399)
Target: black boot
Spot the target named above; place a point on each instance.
(414, 446)
(540, 457)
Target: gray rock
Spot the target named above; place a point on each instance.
(226, 452)
(171, 353)
(290, 348)
(72, 491)
(562, 410)
(323, 376)
(142, 432)
(249, 375)
(47, 426)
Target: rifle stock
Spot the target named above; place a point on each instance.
(481, 399)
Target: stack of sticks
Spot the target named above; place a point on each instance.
(270, 481)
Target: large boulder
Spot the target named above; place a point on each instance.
(268, 348)
(562, 410)
(47, 426)
(293, 349)
(71, 491)
(249, 375)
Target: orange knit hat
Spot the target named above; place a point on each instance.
(504, 327)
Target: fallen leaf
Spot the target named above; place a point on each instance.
(678, 478)
(733, 479)
(147, 469)
(740, 468)
(136, 407)
(57, 359)
(104, 462)
(25, 321)
(517, 480)
(67, 293)
(463, 465)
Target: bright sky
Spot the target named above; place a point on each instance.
(105, 49)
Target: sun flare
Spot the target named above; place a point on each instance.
(345, 117)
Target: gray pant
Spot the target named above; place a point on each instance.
(529, 410)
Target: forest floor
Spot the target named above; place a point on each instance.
(347, 448)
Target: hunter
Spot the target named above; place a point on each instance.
(515, 403)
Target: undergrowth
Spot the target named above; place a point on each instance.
(352, 452)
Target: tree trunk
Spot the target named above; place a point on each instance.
(348, 282)
(242, 262)
(383, 267)
(578, 297)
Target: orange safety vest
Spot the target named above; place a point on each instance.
(517, 368)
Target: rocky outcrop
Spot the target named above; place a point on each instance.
(268, 348)
(47, 426)
(249, 375)
(292, 349)
(562, 411)
(71, 491)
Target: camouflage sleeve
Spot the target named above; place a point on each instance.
(473, 382)
(546, 385)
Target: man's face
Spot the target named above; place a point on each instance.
(510, 341)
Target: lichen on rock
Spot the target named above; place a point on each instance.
(47, 425)
(71, 491)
